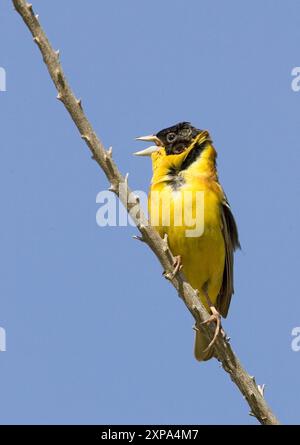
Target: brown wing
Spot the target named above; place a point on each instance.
(231, 238)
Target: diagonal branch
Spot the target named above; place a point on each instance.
(250, 390)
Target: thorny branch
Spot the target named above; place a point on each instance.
(252, 392)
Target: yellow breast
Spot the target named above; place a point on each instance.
(186, 207)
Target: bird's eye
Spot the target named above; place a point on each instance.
(185, 132)
(171, 137)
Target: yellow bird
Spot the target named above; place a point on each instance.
(188, 204)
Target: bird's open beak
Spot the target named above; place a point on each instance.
(150, 138)
(148, 151)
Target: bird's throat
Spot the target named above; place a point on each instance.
(199, 159)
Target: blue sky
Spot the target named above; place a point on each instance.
(94, 334)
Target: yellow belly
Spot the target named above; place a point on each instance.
(203, 254)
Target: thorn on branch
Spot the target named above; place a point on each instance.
(253, 379)
(36, 40)
(108, 160)
(126, 179)
(86, 138)
(112, 188)
(36, 16)
(29, 7)
(261, 389)
(79, 103)
(57, 53)
(168, 275)
(59, 96)
(195, 326)
(108, 155)
(139, 238)
(165, 241)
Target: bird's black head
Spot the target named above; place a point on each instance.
(177, 138)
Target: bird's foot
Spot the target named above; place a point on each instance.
(215, 317)
(177, 267)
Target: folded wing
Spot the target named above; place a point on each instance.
(231, 238)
